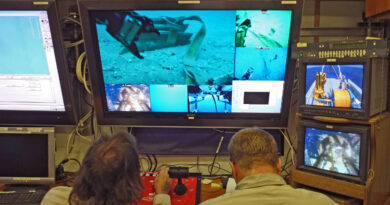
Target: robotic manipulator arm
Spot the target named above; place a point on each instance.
(126, 26)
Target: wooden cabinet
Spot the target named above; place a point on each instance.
(378, 9)
(376, 190)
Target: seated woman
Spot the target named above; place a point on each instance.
(109, 175)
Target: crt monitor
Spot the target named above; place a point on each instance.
(207, 64)
(348, 88)
(340, 151)
(34, 83)
(27, 155)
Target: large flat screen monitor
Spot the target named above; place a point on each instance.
(34, 83)
(340, 151)
(207, 64)
(27, 155)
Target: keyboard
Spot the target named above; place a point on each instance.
(25, 198)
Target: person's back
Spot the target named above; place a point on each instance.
(269, 189)
(256, 167)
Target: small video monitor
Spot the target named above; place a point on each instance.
(332, 150)
(334, 85)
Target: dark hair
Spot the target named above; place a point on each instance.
(109, 174)
(253, 146)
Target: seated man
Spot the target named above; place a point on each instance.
(109, 175)
(256, 167)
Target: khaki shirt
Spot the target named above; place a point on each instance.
(269, 189)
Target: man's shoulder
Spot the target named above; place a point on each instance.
(270, 194)
(315, 197)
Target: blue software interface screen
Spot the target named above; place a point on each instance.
(193, 60)
(332, 151)
(338, 85)
(29, 79)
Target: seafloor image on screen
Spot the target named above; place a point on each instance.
(210, 98)
(167, 47)
(334, 85)
(22, 34)
(169, 98)
(260, 64)
(333, 151)
(259, 29)
(127, 97)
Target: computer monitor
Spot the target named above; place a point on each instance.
(34, 82)
(348, 88)
(27, 155)
(340, 151)
(216, 63)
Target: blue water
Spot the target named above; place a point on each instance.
(169, 98)
(216, 51)
(21, 45)
(268, 64)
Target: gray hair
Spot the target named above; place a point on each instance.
(253, 146)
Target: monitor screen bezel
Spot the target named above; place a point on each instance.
(229, 120)
(351, 113)
(49, 131)
(14, 117)
(364, 155)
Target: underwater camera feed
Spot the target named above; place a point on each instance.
(190, 58)
(210, 98)
(332, 151)
(260, 64)
(127, 97)
(172, 47)
(334, 85)
(169, 98)
(263, 29)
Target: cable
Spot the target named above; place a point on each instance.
(85, 77)
(71, 20)
(217, 152)
(289, 144)
(150, 163)
(155, 162)
(77, 43)
(79, 62)
(144, 158)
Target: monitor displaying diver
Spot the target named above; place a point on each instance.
(332, 151)
(128, 97)
(334, 85)
(260, 64)
(210, 98)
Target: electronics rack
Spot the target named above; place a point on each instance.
(342, 49)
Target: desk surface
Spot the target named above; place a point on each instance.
(209, 192)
